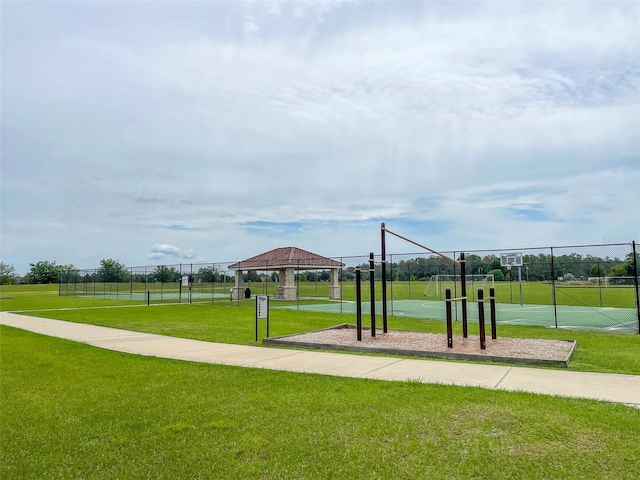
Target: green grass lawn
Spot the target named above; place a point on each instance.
(228, 322)
(73, 411)
(537, 293)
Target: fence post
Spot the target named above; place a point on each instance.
(448, 315)
(553, 289)
(372, 294)
(358, 305)
(635, 280)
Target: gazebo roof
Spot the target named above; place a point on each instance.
(286, 257)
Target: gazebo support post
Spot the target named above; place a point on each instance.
(238, 291)
(334, 289)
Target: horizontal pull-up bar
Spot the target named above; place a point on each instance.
(421, 246)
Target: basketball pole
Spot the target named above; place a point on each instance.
(520, 281)
(383, 255)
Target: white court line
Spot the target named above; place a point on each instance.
(621, 326)
(431, 306)
(519, 308)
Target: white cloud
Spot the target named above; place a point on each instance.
(340, 116)
(166, 251)
(249, 27)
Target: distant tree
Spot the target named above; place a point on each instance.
(618, 271)
(596, 270)
(207, 274)
(69, 273)
(348, 273)
(498, 275)
(112, 271)
(629, 266)
(493, 264)
(43, 272)
(252, 276)
(7, 273)
(475, 265)
(138, 278)
(165, 274)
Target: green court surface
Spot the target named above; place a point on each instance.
(610, 319)
(159, 297)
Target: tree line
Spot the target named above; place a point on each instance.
(535, 268)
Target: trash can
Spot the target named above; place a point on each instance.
(247, 293)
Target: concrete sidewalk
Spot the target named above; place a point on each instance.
(610, 387)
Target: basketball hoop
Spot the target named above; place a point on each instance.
(511, 259)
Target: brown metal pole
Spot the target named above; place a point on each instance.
(553, 289)
(358, 304)
(422, 246)
(372, 271)
(463, 286)
(635, 280)
(483, 341)
(383, 256)
(449, 319)
(492, 303)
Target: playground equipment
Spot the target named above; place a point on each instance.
(463, 274)
(448, 302)
(481, 325)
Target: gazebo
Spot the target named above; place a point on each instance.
(286, 260)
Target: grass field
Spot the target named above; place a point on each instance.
(577, 306)
(73, 411)
(233, 322)
(539, 293)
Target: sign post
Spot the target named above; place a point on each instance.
(262, 311)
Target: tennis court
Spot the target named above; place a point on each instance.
(606, 319)
(159, 297)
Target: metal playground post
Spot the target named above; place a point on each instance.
(358, 304)
(383, 259)
(449, 319)
(463, 286)
(483, 342)
(372, 271)
(384, 229)
(492, 303)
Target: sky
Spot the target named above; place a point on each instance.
(165, 132)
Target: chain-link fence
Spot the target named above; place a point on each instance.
(152, 284)
(586, 286)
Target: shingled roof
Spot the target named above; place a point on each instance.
(286, 257)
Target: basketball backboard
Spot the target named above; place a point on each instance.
(511, 259)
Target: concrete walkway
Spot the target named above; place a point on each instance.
(610, 387)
